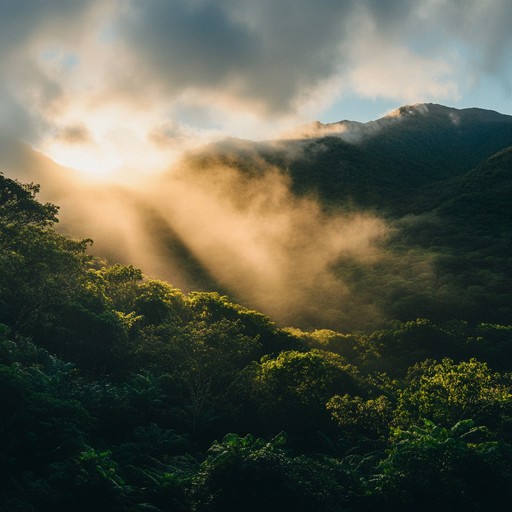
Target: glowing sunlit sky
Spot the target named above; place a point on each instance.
(105, 85)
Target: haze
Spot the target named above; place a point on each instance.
(122, 92)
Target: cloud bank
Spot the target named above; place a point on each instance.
(238, 67)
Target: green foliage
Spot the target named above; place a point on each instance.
(349, 346)
(113, 387)
(159, 303)
(119, 286)
(94, 340)
(248, 473)
(18, 208)
(291, 390)
(40, 271)
(446, 393)
(453, 468)
(412, 342)
(370, 417)
(211, 306)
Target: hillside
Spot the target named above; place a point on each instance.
(439, 177)
(121, 393)
(347, 226)
(380, 164)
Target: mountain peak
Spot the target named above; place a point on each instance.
(435, 110)
(407, 110)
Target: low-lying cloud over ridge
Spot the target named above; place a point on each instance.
(245, 68)
(273, 250)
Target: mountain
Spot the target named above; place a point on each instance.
(380, 164)
(440, 177)
(345, 226)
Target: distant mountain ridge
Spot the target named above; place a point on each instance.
(380, 164)
(439, 177)
(414, 113)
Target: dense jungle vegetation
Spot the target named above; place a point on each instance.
(121, 393)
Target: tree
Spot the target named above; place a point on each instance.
(291, 390)
(252, 474)
(19, 208)
(447, 392)
(456, 468)
(370, 418)
(39, 269)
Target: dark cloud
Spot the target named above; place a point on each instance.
(264, 57)
(273, 53)
(186, 43)
(23, 21)
(265, 52)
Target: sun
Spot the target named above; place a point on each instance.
(107, 145)
(86, 158)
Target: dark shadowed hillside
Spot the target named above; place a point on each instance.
(439, 177)
(345, 226)
(381, 164)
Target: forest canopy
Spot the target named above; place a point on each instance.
(122, 393)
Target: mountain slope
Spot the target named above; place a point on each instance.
(439, 176)
(347, 227)
(466, 235)
(382, 164)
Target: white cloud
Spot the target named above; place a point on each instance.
(235, 66)
(399, 74)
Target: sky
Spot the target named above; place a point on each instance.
(109, 86)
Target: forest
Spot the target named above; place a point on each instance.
(123, 393)
(248, 263)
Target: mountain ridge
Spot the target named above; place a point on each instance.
(317, 129)
(360, 162)
(419, 175)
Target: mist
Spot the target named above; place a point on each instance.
(214, 226)
(247, 236)
(274, 251)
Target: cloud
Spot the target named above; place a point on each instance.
(270, 57)
(268, 248)
(258, 57)
(483, 29)
(245, 68)
(75, 134)
(399, 74)
(31, 89)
